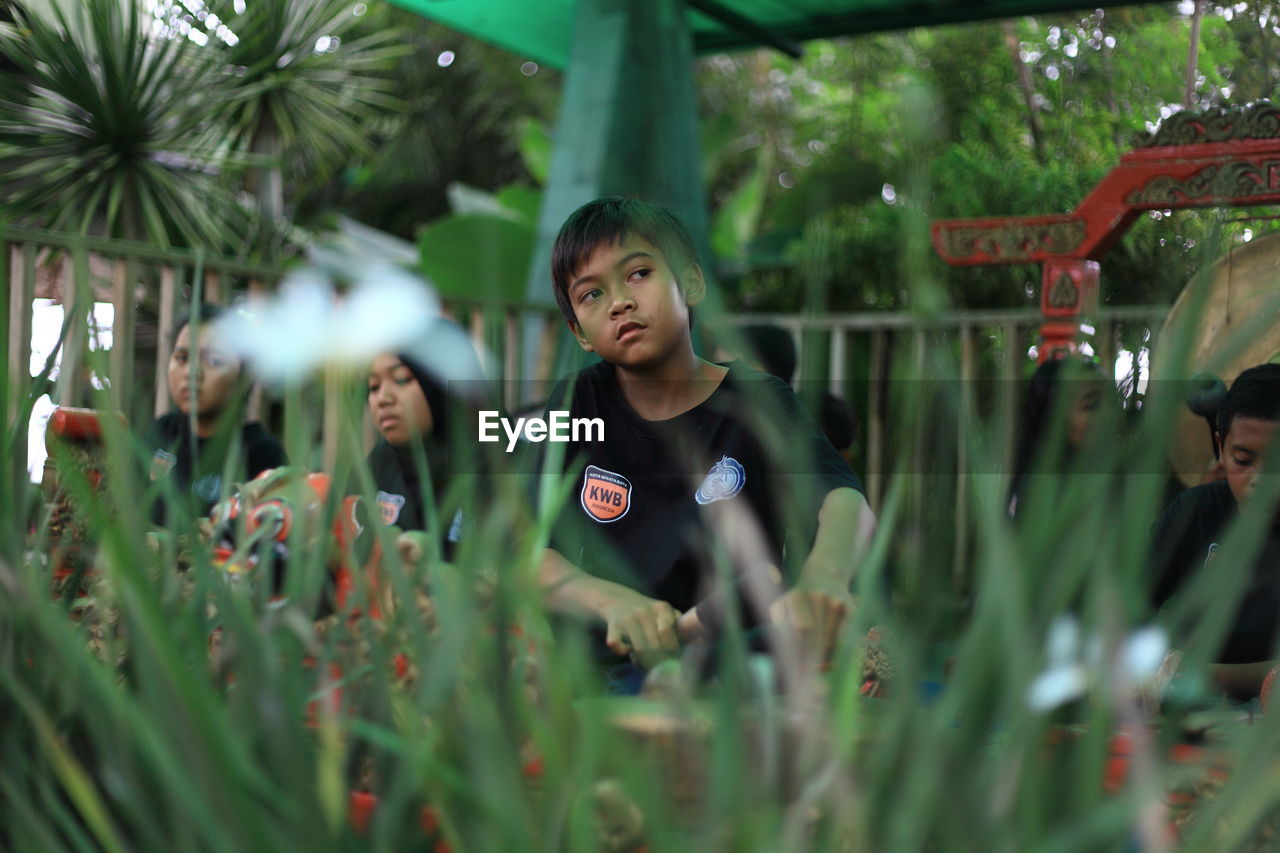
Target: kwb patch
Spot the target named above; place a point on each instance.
(161, 464)
(389, 505)
(606, 496)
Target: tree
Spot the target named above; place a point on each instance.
(105, 128)
(464, 106)
(881, 133)
(307, 88)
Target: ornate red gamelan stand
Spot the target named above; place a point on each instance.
(1225, 157)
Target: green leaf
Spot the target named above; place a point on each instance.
(535, 148)
(478, 257)
(525, 201)
(736, 221)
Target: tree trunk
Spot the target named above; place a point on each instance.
(1193, 54)
(1028, 90)
(270, 181)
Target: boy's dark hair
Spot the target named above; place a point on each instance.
(604, 222)
(1254, 394)
(203, 313)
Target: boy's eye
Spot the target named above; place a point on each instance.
(589, 295)
(642, 272)
(1243, 463)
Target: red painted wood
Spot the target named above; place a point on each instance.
(1239, 167)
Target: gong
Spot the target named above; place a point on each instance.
(1235, 324)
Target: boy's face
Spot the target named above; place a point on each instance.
(214, 374)
(629, 304)
(1242, 449)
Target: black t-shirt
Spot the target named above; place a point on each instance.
(645, 500)
(197, 468)
(399, 492)
(1187, 540)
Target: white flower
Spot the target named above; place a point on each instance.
(1144, 652)
(1066, 677)
(305, 325)
(1070, 673)
(1057, 686)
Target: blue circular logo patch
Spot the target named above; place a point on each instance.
(725, 479)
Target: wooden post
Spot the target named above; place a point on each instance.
(214, 291)
(839, 339)
(22, 283)
(123, 275)
(1106, 346)
(258, 290)
(875, 419)
(476, 328)
(1068, 294)
(334, 399)
(511, 359)
(1010, 392)
(550, 330)
(77, 304)
(164, 337)
(960, 558)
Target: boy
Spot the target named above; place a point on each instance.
(1190, 530)
(682, 468)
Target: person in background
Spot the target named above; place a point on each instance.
(204, 438)
(415, 412)
(1188, 537)
(1071, 387)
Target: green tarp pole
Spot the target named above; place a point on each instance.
(628, 121)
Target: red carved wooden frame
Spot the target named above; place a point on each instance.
(1226, 157)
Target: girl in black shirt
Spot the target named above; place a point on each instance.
(416, 413)
(190, 445)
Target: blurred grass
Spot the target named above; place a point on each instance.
(122, 732)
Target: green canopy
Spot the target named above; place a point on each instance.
(542, 29)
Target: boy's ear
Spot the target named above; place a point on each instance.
(1217, 442)
(581, 338)
(695, 287)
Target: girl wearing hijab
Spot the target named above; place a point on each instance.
(1072, 388)
(413, 409)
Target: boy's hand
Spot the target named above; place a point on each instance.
(689, 627)
(642, 627)
(816, 612)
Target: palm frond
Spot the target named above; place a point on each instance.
(105, 116)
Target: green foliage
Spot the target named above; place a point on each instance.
(103, 131)
(467, 122)
(127, 729)
(737, 219)
(849, 108)
(454, 263)
(535, 148)
(308, 82)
